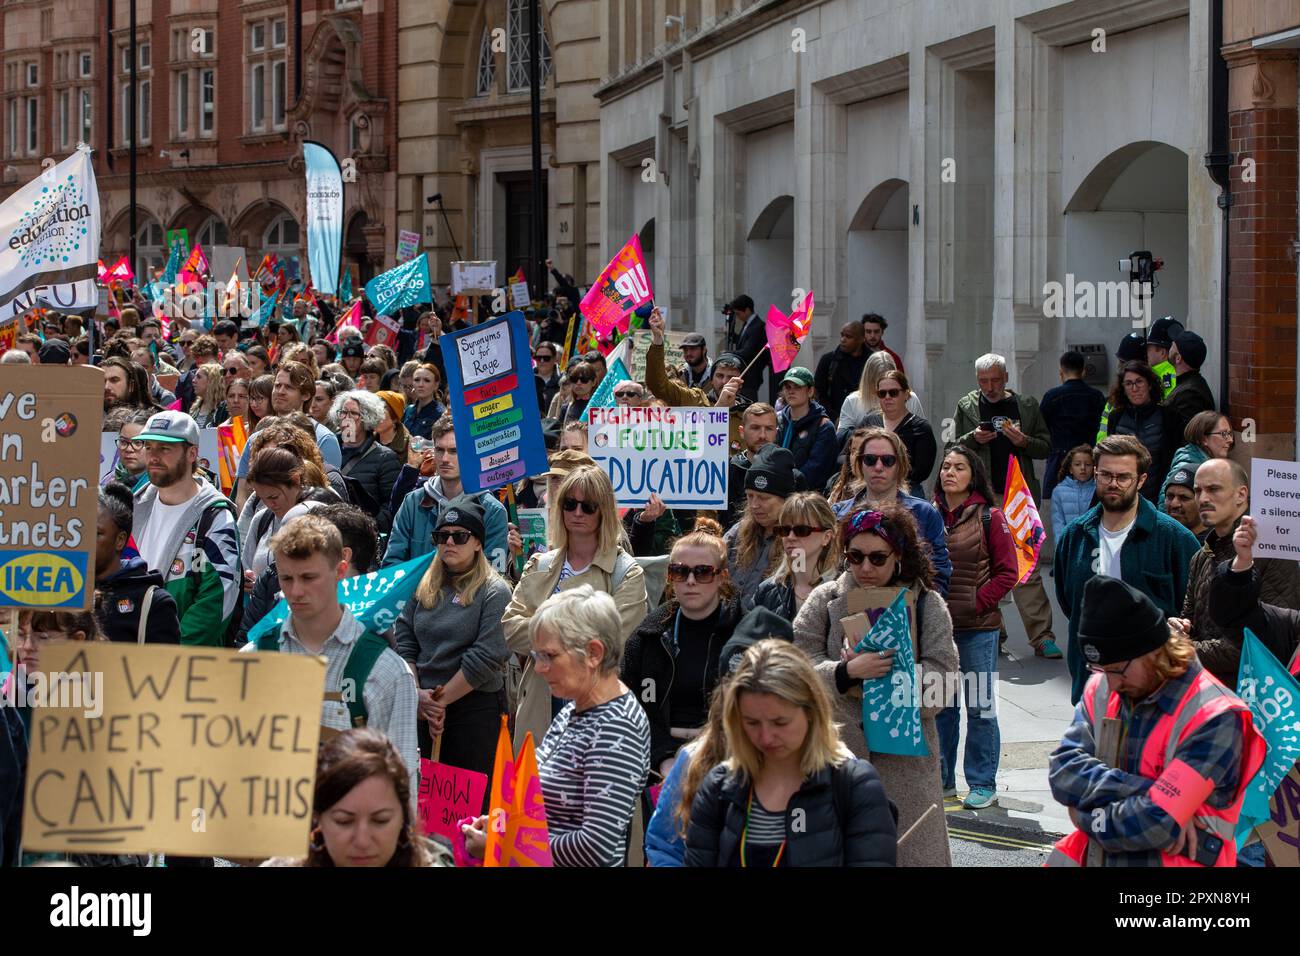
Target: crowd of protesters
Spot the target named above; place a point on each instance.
(686, 673)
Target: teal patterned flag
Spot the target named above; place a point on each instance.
(375, 599)
(345, 290)
(400, 287)
(1273, 696)
(603, 396)
(891, 715)
(173, 263)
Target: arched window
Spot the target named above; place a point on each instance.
(487, 65)
(150, 256)
(212, 233)
(517, 47)
(281, 237)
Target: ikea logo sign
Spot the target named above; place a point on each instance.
(42, 578)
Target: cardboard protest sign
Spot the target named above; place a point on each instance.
(473, 278)
(407, 243)
(448, 794)
(1281, 832)
(867, 604)
(165, 748)
(49, 433)
(1275, 500)
(641, 346)
(533, 529)
(494, 403)
(678, 453)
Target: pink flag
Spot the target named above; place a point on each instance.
(353, 319)
(174, 406)
(785, 333)
(618, 291)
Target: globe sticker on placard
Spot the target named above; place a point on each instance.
(65, 424)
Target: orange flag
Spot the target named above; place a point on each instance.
(1022, 517)
(230, 446)
(516, 832)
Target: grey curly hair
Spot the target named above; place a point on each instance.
(371, 405)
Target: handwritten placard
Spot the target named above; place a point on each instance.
(473, 278)
(680, 454)
(173, 749)
(448, 794)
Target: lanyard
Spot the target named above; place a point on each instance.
(744, 834)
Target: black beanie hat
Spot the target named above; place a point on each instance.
(758, 625)
(772, 471)
(1192, 348)
(1118, 622)
(464, 512)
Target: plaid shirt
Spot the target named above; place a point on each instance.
(1133, 829)
(390, 693)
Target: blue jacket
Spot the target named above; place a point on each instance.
(930, 524)
(417, 518)
(1156, 559)
(812, 441)
(664, 845)
(1070, 498)
(419, 422)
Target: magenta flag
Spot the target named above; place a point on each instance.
(785, 333)
(618, 291)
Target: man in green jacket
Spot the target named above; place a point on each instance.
(1123, 537)
(999, 424)
(186, 531)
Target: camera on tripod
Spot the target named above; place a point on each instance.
(1141, 267)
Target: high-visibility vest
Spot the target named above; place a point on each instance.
(1204, 699)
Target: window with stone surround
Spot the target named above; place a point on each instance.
(265, 71)
(518, 47)
(193, 83)
(487, 65)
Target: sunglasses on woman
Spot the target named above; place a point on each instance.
(877, 558)
(586, 379)
(572, 504)
(889, 392)
(797, 530)
(543, 357)
(704, 573)
(868, 459)
(455, 537)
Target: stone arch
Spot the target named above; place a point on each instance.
(877, 257)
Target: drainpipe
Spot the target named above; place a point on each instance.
(1218, 162)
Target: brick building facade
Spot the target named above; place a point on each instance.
(226, 93)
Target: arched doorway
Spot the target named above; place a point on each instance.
(356, 254)
(877, 259)
(1134, 199)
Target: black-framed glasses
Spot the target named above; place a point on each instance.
(455, 537)
(130, 444)
(868, 459)
(1098, 669)
(704, 573)
(1226, 435)
(1110, 478)
(877, 558)
(797, 530)
(573, 504)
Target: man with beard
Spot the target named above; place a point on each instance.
(1123, 537)
(186, 531)
(1223, 497)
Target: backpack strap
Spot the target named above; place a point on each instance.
(145, 605)
(360, 663)
(622, 565)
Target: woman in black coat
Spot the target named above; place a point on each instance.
(893, 392)
(374, 466)
(788, 792)
(1138, 409)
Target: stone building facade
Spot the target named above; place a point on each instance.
(941, 162)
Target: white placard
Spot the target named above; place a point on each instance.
(1275, 506)
(678, 453)
(519, 296)
(484, 354)
(473, 278)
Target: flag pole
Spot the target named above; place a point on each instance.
(766, 347)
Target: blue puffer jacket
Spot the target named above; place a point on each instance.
(1070, 498)
(417, 518)
(664, 845)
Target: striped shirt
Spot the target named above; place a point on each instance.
(390, 694)
(766, 827)
(593, 767)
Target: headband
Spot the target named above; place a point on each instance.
(862, 522)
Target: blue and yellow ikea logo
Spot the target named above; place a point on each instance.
(42, 578)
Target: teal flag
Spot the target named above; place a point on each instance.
(173, 264)
(345, 290)
(1273, 696)
(397, 288)
(265, 310)
(375, 599)
(603, 396)
(891, 712)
